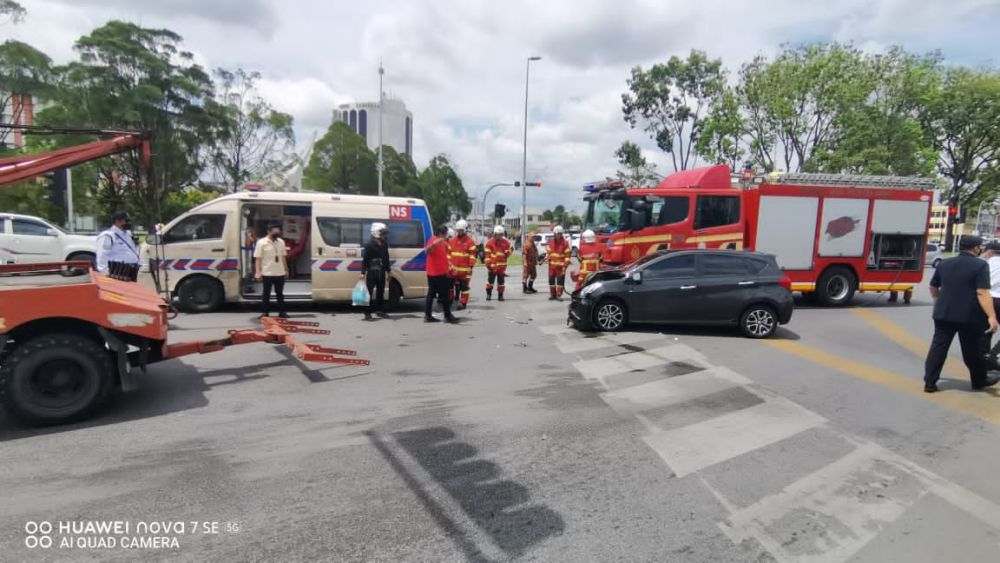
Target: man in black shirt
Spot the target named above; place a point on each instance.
(375, 269)
(961, 288)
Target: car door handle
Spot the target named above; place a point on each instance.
(685, 287)
(218, 250)
(747, 283)
(319, 250)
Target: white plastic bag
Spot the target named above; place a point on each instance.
(360, 296)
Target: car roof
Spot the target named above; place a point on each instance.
(716, 251)
(19, 216)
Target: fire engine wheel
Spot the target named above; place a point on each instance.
(54, 379)
(610, 315)
(200, 294)
(759, 321)
(836, 286)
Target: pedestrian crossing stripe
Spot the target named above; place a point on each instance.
(603, 367)
(672, 391)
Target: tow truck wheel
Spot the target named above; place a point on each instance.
(836, 286)
(54, 379)
(200, 294)
(77, 257)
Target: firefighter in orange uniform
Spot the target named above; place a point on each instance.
(498, 250)
(558, 254)
(590, 261)
(463, 258)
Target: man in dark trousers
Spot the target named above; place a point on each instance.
(375, 269)
(439, 282)
(963, 306)
(271, 268)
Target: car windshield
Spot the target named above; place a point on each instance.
(604, 215)
(646, 259)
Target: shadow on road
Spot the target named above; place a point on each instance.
(499, 507)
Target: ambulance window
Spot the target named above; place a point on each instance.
(406, 234)
(674, 210)
(716, 211)
(3, 225)
(203, 226)
(356, 232)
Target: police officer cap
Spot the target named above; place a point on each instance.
(120, 216)
(970, 242)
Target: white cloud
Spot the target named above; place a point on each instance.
(459, 64)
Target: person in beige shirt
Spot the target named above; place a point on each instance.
(271, 267)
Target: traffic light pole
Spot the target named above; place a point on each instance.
(482, 222)
(70, 223)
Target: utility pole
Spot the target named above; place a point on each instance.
(381, 98)
(524, 159)
(70, 222)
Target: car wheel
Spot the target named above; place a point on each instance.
(836, 286)
(77, 257)
(937, 262)
(759, 321)
(54, 379)
(200, 294)
(610, 315)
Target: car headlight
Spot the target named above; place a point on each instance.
(590, 289)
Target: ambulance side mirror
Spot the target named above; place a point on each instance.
(154, 239)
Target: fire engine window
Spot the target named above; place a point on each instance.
(716, 211)
(674, 210)
(206, 226)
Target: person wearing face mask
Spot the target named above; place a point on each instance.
(962, 305)
(117, 255)
(375, 269)
(271, 268)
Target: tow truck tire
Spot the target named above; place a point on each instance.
(836, 287)
(55, 379)
(200, 294)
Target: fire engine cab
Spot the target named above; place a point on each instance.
(833, 234)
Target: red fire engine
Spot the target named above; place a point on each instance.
(833, 234)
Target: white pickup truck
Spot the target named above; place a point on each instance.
(28, 240)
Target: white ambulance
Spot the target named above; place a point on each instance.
(205, 256)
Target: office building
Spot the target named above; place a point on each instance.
(397, 123)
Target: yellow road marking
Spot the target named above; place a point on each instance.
(908, 340)
(979, 405)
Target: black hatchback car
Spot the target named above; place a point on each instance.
(703, 287)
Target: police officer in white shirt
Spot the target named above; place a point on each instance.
(117, 255)
(993, 259)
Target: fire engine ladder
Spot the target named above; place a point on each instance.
(852, 181)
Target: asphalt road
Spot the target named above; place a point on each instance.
(510, 436)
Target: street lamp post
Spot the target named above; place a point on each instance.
(381, 71)
(524, 160)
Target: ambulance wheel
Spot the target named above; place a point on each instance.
(395, 295)
(54, 379)
(200, 294)
(836, 287)
(610, 315)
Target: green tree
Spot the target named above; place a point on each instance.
(886, 134)
(24, 71)
(443, 191)
(634, 169)
(341, 162)
(11, 11)
(573, 220)
(559, 214)
(722, 138)
(253, 138)
(794, 104)
(547, 215)
(399, 177)
(963, 117)
(131, 77)
(671, 101)
(29, 198)
(184, 200)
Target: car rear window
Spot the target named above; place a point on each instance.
(723, 265)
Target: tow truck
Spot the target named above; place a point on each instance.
(833, 234)
(66, 343)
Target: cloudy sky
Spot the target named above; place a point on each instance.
(459, 64)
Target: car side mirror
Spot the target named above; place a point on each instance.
(636, 277)
(51, 232)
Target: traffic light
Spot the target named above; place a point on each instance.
(55, 184)
(499, 210)
(956, 214)
(535, 184)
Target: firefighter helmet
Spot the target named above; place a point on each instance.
(451, 232)
(588, 236)
(558, 230)
(461, 225)
(498, 230)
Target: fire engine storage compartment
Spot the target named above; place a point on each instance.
(898, 236)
